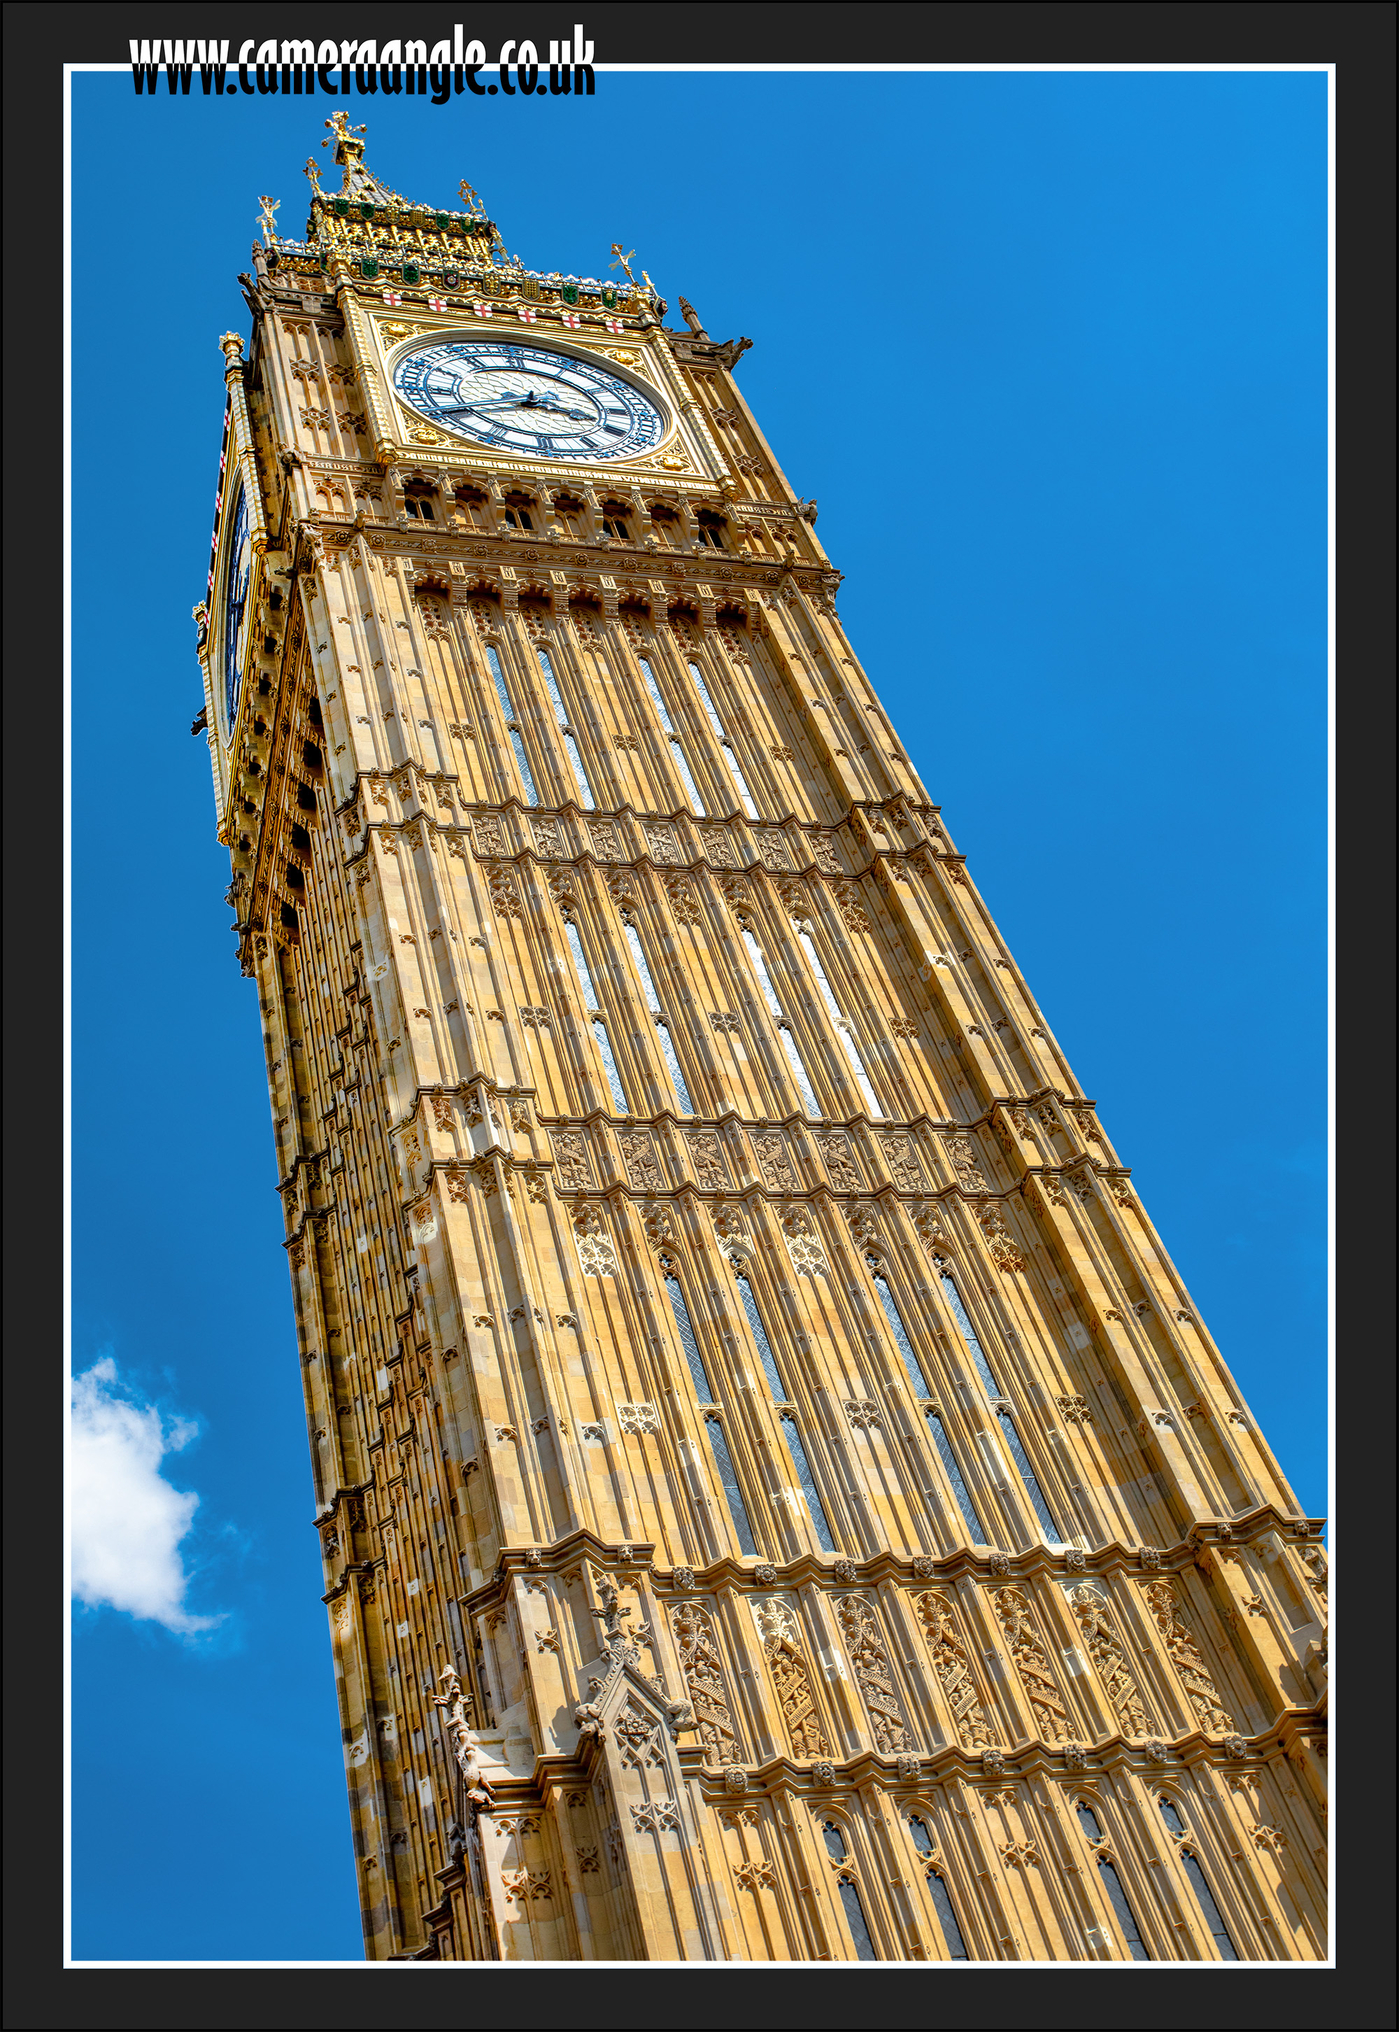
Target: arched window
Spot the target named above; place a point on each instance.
(937, 1888)
(956, 1478)
(806, 1482)
(672, 735)
(666, 523)
(551, 685)
(1004, 1418)
(1112, 1883)
(755, 1322)
(571, 513)
(849, 1897)
(519, 510)
(594, 1008)
(614, 521)
(512, 725)
(728, 1479)
(710, 529)
(1204, 1897)
(788, 1042)
(417, 501)
(472, 503)
(844, 1028)
(694, 1360)
(663, 1036)
(896, 1327)
(730, 759)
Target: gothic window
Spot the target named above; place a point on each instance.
(570, 512)
(806, 1483)
(551, 685)
(614, 521)
(512, 725)
(728, 1478)
(896, 1327)
(472, 502)
(1112, 1884)
(788, 1042)
(937, 1889)
(1204, 1897)
(1004, 1418)
(849, 1896)
(954, 1475)
(517, 510)
(710, 530)
(730, 759)
(677, 752)
(666, 524)
(663, 1036)
(694, 1360)
(844, 1028)
(592, 1005)
(417, 502)
(754, 1317)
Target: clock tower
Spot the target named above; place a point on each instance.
(778, 1500)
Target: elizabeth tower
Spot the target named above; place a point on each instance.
(778, 1500)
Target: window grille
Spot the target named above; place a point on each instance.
(896, 1327)
(690, 1346)
(849, 1896)
(1112, 1884)
(1003, 1417)
(844, 1028)
(590, 1002)
(551, 686)
(954, 1475)
(729, 756)
(1204, 1897)
(789, 1043)
(691, 790)
(764, 1345)
(512, 726)
(663, 1036)
(723, 1461)
(937, 1890)
(807, 1483)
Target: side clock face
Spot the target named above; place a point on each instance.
(235, 599)
(528, 400)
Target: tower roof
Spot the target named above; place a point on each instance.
(376, 232)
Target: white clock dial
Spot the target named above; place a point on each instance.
(528, 400)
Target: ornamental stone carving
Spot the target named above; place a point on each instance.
(951, 1664)
(693, 1629)
(1031, 1662)
(869, 1656)
(780, 1637)
(596, 1254)
(1210, 1712)
(775, 1164)
(1104, 1646)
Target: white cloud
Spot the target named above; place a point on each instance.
(128, 1522)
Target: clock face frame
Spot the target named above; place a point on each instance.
(237, 573)
(506, 395)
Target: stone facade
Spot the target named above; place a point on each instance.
(769, 1474)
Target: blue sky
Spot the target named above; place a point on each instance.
(1049, 349)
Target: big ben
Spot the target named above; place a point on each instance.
(778, 1500)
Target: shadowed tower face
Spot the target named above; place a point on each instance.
(778, 1500)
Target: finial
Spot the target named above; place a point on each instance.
(232, 344)
(340, 128)
(313, 170)
(622, 260)
(470, 200)
(268, 222)
(691, 317)
(649, 283)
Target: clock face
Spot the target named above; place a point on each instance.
(528, 400)
(235, 600)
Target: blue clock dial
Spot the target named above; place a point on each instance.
(237, 572)
(528, 400)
